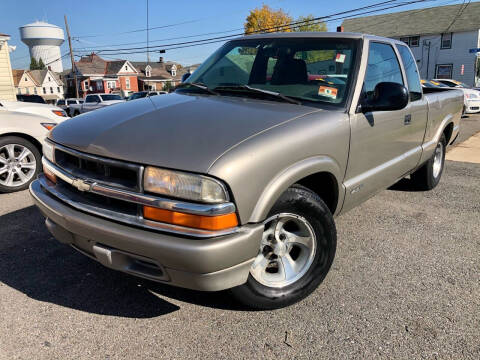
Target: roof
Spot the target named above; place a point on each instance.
(427, 21)
(160, 70)
(1, 34)
(113, 67)
(40, 24)
(91, 64)
(38, 75)
(17, 76)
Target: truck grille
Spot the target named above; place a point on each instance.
(105, 171)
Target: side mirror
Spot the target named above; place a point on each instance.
(185, 76)
(387, 96)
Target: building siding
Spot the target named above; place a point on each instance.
(458, 55)
(7, 89)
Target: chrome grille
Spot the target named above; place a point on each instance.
(98, 169)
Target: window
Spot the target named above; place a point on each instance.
(61, 102)
(127, 83)
(49, 79)
(382, 66)
(126, 68)
(92, 99)
(315, 70)
(26, 78)
(51, 90)
(70, 102)
(446, 41)
(19, 91)
(174, 72)
(110, 97)
(35, 91)
(414, 41)
(58, 90)
(111, 84)
(413, 80)
(28, 91)
(44, 90)
(444, 71)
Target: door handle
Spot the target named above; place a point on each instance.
(408, 119)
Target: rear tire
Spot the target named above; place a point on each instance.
(20, 163)
(428, 176)
(296, 252)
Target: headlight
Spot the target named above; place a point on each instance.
(60, 113)
(184, 185)
(49, 151)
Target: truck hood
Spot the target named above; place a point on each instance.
(177, 131)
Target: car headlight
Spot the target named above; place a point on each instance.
(184, 185)
(49, 151)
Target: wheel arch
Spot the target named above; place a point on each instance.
(448, 131)
(320, 174)
(27, 137)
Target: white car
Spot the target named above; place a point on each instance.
(471, 96)
(95, 101)
(21, 139)
(51, 112)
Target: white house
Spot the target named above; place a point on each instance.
(7, 91)
(45, 83)
(440, 38)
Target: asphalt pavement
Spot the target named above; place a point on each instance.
(405, 284)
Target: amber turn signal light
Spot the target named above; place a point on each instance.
(219, 222)
(49, 175)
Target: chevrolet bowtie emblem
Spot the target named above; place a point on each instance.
(82, 185)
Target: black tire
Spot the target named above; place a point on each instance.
(76, 112)
(300, 201)
(424, 178)
(37, 158)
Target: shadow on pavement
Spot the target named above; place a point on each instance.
(405, 184)
(32, 262)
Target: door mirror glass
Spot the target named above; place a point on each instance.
(185, 76)
(387, 96)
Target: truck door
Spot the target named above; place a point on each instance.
(378, 143)
(91, 103)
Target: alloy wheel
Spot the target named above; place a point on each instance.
(17, 165)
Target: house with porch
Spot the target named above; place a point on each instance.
(96, 75)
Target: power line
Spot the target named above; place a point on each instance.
(172, 46)
(459, 13)
(276, 27)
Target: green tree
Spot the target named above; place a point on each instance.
(168, 86)
(268, 19)
(308, 24)
(33, 64)
(41, 65)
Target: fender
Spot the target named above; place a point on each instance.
(283, 180)
(429, 146)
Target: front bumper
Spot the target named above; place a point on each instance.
(202, 264)
(473, 106)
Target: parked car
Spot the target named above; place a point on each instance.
(72, 101)
(49, 111)
(471, 96)
(142, 94)
(93, 102)
(21, 138)
(31, 98)
(234, 181)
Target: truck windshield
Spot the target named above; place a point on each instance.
(316, 70)
(110, 97)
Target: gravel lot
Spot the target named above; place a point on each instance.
(405, 284)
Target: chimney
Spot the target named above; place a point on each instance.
(160, 60)
(339, 28)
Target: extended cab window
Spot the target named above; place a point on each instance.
(413, 80)
(91, 99)
(382, 66)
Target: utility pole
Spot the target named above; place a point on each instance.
(148, 49)
(71, 57)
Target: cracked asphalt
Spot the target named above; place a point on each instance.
(405, 284)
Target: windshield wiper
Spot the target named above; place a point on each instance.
(259, 91)
(201, 86)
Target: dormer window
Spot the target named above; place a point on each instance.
(126, 68)
(148, 71)
(173, 70)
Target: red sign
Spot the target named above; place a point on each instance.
(462, 69)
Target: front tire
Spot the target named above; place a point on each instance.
(20, 163)
(296, 252)
(428, 176)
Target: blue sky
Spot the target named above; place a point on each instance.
(109, 18)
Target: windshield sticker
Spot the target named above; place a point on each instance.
(326, 91)
(340, 58)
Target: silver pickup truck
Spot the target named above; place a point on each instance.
(234, 181)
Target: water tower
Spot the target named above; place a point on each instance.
(44, 42)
